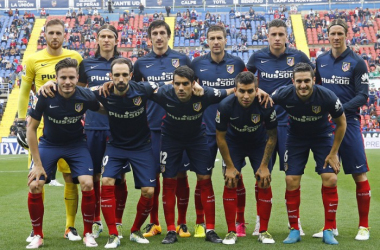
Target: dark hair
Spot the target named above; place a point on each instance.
(54, 22)
(114, 30)
(184, 71)
(66, 63)
(277, 23)
(339, 22)
(245, 77)
(122, 60)
(157, 24)
(217, 28)
(303, 67)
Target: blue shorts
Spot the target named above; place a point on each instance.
(213, 146)
(254, 154)
(172, 155)
(96, 142)
(75, 154)
(142, 162)
(297, 153)
(352, 151)
(282, 134)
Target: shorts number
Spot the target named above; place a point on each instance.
(286, 156)
(163, 156)
(105, 160)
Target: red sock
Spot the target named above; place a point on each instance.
(363, 197)
(208, 202)
(97, 201)
(182, 193)
(198, 206)
(168, 201)
(36, 212)
(257, 198)
(265, 207)
(121, 194)
(240, 201)
(154, 213)
(330, 202)
(230, 206)
(88, 208)
(108, 208)
(144, 207)
(293, 201)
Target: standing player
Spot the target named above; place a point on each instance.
(62, 138)
(158, 66)
(94, 71)
(309, 107)
(182, 130)
(274, 67)
(346, 74)
(245, 128)
(39, 68)
(217, 69)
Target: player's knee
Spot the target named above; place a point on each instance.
(203, 177)
(108, 181)
(292, 182)
(147, 192)
(35, 187)
(329, 179)
(359, 177)
(86, 183)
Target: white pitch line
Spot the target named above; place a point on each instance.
(15, 171)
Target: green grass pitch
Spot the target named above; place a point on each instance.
(15, 222)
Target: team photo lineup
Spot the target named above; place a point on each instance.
(163, 115)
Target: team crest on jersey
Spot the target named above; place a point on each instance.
(290, 61)
(78, 107)
(175, 63)
(255, 118)
(137, 101)
(197, 106)
(346, 66)
(316, 109)
(230, 69)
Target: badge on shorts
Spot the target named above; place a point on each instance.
(286, 167)
(175, 63)
(255, 118)
(197, 106)
(290, 61)
(230, 69)
(316, 109)
(137, 101)
(162, 167)
(78, 107)
(346, 66)
(217, 118)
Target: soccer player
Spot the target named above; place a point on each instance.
(62, 137)
(345, 73)
(274, 66)
(182, 130)
(245, 128)
(158, 66)
(310, 128)
(94, 71)
(39, 68)
(217, 69)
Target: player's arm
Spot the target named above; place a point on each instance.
(361, 82)
(231, 172)
(251, 64)
(332, 159)
(25, 87)
(37, 170)
(264, 97)
(82, 81)
(263, 175)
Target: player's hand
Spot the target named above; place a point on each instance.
(46, 89)
(264, 97)
(105, 88)
(198, 90)
(36, 173)
(263, 177)
(333, 161)
(231, 177)
(21, 133)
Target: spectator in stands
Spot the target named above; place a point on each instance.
(251, 13)
(237, 14)
(234, 48)
(372, 97)
(141, 8)
(255, 38)
(311, 13)
(155, 16)
(363, 38)
(244, 48)
(232, 13)
(43, 12)
(68, 15)
(110, 6)
(270, 11)
(243, 26)
(293, 9)
(187, 35)
(373, 72)
(321, 51)
(4, 38)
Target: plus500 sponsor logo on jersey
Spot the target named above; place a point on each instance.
(277, 74)
(99, 78)
(220, 82)
(163, 77)
(336, 80)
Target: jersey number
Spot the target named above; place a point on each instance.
(163, 156)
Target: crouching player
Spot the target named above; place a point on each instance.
(245, 128)
(310, 128)
(62, 138)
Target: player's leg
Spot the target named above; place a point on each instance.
(53, 181)
(121, 194)
(144, 174)
(171, 158)
(354, 162)
(154, 227)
